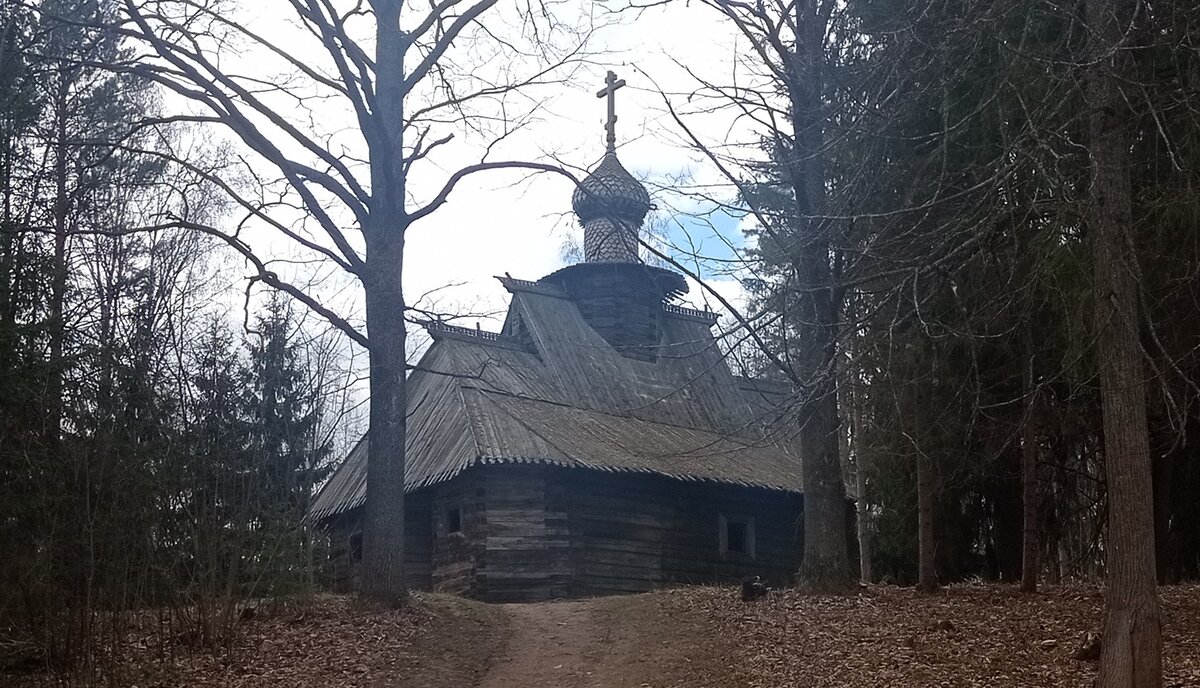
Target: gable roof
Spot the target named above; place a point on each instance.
(548, 389)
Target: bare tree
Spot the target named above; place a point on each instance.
(411, 78)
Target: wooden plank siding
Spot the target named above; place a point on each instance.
(526, 550)
(531, 533)
(454, 555)
(549, 532)
(632, 533)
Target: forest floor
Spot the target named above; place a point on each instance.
(699, 637)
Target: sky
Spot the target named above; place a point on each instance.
(516, 223)
(492, 228)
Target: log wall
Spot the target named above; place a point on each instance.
(559, 532)
(526, 555)
(455, 554)
(345, 555)
(532, 533)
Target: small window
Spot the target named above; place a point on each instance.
(736, 536)
(453, 520)
(356, 547)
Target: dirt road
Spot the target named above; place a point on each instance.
(617, 642)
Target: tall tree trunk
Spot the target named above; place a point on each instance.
(383, 524)
(926, 533)
(1132, 654)
(1163, 470)
(58, 276)
(860, 486)
(826, 564)
(926, 487)
(1029, 474)
(8, 247)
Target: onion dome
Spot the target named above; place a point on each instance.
(611, 205)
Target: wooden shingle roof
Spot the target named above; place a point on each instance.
(549, 390)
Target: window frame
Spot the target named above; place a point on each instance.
(747, 522)
(457, 519)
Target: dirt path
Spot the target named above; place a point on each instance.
(549, 644)
(640, 641)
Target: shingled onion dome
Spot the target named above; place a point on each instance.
(611, 205)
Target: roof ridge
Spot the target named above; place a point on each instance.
(442, 330)
(514, 284)
(704, 316)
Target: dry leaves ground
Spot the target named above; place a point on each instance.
(437, 641)
(700, 637)
(968, 635)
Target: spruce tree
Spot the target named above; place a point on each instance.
(285, 444)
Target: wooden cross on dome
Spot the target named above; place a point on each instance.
(611, 84)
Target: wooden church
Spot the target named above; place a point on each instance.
(597, 444)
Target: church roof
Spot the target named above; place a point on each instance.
(611, 205)
(549, 390)
(611, 191)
